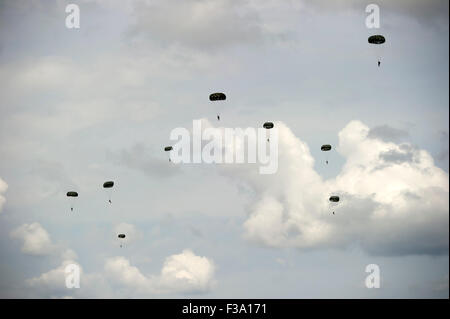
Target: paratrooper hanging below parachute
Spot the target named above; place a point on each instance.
(217, 97)
(334, 199)
(377, 39)
(168, 149)
(72, 194)
(325, 148)
(121, 236)
(268, 126)
(107, 185)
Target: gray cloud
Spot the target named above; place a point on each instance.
(396, 157)
(52, 172)
(387, 133)
(184, 272)
(141, 158)
(3, 188)
(443, 155)
(200, 24)
(430, 12)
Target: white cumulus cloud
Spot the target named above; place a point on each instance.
(36, 240)
(53, 282)
(187, 272)
(184, 272)
(394, 200)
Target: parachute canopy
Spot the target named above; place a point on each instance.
(268, 125)
(72, 194)
(376, 39)
(121, 235)
(217, 97)
(334, 199)
(325, 147)
(108, 184)
(168, 148)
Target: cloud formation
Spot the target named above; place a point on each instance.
(394, 200)
(52, 283)
(187, 272)
(3, 188)
(181, 273)
(36, 240)
(428, 12)
(387, 133)
(140, 157)
(201, 24)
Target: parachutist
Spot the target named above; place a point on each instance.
(377, 40)
(168, 149)
(72, 194)
(326, 148)
(108, 185)
(268, 126)
(217, 97)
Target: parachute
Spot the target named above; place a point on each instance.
(168, 149)
(121, 236)
(333, 201)
(108, 185)
(325, 148)
(72, 195)
(217, 97)
(268, 126)
(378, 40)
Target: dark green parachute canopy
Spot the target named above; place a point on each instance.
(72, 194)
(121, 235)
(268, 125)
(376, 39)
(325, 147)
(168, 148)
(217, 97)
(334, 199)
(108, 184)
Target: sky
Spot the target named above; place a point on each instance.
(80, 106)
